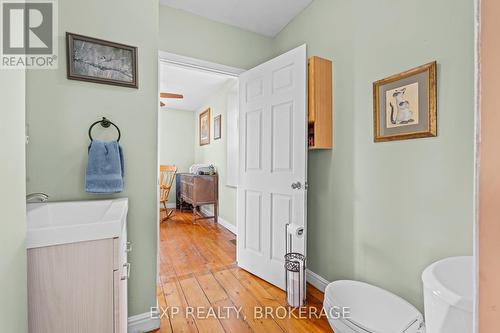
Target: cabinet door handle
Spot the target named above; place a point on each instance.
(128, 247)
(127, 267)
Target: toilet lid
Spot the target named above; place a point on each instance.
(372, 309)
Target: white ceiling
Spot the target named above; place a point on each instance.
(266, 17)
(197, 86)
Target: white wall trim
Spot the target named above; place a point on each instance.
(231, 227)
(316, 280)
(170, 205)
(477, 134)
(203, 65)
(143, 323)
(224, 223)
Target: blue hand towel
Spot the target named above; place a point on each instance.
(105, 167)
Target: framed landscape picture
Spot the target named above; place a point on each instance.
(404, 105)
(96, 60)
(204, 127)
(217, 127)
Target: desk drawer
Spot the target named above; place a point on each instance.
(189, 179)
(187, 190)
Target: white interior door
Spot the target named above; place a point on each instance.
(273, 157)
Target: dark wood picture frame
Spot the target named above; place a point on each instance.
(204, 114)
(430, 105)
(71, 75)
(217, 122)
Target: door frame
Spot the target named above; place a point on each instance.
(188, 63)
(203, 65)
(487, 184)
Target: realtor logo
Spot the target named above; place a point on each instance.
(29, 34)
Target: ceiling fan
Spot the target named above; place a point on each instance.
(169, 95)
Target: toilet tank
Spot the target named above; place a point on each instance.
(448, 300)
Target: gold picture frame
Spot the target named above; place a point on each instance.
(405, 105)
(204, 127)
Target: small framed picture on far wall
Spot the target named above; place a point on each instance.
(217, 127)
(204, 127)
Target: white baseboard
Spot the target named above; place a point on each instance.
(316, 280)
(143, 323)
(229, 226)
(169, 205)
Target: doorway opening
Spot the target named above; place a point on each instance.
(198, 142)
(196, 132)
(199, 153)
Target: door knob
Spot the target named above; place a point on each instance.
(296, 185)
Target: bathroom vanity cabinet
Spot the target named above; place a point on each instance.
(79, 287)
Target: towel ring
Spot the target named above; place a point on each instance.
(104, 123)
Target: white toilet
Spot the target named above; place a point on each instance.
(357, 307)
(368, 309)
(448, 295)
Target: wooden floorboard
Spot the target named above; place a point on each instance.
(198, 273)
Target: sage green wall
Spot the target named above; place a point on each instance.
(176, 139)
(186, 34)
(391, 208)
(59, 112)
(414, 199)
(13, 279)
(216, 151)
(326, 27)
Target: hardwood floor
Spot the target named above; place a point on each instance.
(200, 278)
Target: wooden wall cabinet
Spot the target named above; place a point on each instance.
(320, 106)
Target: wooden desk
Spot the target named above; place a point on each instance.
(199, 190)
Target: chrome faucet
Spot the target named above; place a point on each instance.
(37, 197)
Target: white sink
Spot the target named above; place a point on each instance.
(54, 223)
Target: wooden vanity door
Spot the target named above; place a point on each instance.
(70, 287)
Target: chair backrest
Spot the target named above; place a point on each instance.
(167, 177)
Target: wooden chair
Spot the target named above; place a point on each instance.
(167, 178)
